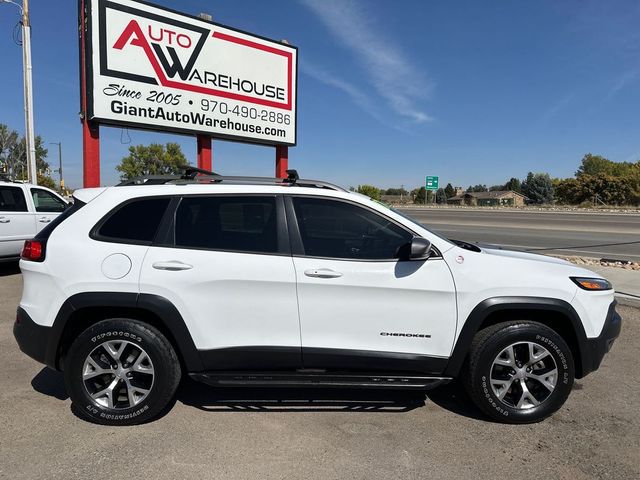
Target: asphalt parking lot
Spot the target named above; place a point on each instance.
(249, 433)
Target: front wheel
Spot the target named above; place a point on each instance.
(121, 372)
(519, 372)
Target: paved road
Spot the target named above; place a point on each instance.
(561, 231)
(293, 434)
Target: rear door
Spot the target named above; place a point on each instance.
(17, 223)
(225, 263)
(47, 206)
(361, 308)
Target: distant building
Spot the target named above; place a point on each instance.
(499, 198)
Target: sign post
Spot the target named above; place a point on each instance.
(150, 68)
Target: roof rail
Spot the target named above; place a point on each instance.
(193, 175)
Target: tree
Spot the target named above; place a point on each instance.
(370, 191)
(8, 142)
(538, 188)
(606, 188)
(597, 165)
(441, 197)
(514, 185)
(477, 188)
(13, 156)
(155, 159)
(419, 195)
(396, 191)
(450, 191)
(496, 188)
(46, 181)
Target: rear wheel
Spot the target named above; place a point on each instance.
(121, 372)
(519, 372)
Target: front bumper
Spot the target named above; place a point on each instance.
(594, 349)
(33, 339)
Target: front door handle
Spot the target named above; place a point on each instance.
(4, 220)
(172, 266)
(44, 220)
(322, 273)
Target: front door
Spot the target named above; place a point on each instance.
(47, 207)
(227, 268)
(360, 307)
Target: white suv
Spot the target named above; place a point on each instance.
(25, 209)
(263, 282)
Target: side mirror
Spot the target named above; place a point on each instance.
(420, 249)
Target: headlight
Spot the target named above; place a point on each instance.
(586, 283)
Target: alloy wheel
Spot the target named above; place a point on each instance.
(523, 375)
(118, 374)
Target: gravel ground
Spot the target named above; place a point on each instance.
(296, 434)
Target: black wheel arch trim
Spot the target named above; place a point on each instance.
(158, 306)
(484, 309)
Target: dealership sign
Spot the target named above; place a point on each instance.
(157, 69)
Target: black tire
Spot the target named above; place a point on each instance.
(489, 343)
(136, 336)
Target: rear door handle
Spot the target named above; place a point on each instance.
(44, 220)
(322, 273)
(172, 266)
(4, 220)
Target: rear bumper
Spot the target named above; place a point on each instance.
(33, 339)
(595, 349)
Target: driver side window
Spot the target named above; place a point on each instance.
(335, 229)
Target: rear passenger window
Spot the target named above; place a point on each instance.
(12, 200)
(136, 221)
(245, 224)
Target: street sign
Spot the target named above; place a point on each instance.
(431, 183)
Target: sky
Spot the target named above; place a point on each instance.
(388, 91)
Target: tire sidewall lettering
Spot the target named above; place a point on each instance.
(116, 334)
(489, 396)
(560, 355)
(92, 410)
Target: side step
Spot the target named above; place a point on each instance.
(317, 379)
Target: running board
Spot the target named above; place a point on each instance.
(305, 379)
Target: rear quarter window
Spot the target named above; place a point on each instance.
(135, 221)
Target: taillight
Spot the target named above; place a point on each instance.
(33, 250)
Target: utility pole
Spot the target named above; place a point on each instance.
(28, 90)
(28, 94)
(59, 144)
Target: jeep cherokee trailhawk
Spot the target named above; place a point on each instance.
(267, 282)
